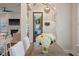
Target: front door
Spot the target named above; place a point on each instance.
(37, 24)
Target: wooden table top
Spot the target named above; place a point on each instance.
(54, 50)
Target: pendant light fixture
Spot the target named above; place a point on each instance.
(47, 9)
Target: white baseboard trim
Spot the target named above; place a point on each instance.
(67, 51)
(73, 52)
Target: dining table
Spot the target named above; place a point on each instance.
(53, 50)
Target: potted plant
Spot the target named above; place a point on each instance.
(45, 40)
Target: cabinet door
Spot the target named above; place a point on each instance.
(37, 24)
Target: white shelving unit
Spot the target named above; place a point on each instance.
(4, 39)
(7, 41)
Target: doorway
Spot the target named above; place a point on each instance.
(37, 24)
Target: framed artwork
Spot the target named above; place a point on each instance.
(37, 24)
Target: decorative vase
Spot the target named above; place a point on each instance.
(44, 50)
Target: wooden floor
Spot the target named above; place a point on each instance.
(54, 50)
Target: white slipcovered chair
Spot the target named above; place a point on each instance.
(17, 49)
(26, 43)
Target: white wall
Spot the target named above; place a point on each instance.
(23, 20)
(15, 7)
(63, 23)
(77, 24)
(15, 15)
(75, 29)
(74, 24)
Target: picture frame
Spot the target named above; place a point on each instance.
(37, 24)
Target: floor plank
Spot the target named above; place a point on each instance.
(54, 50)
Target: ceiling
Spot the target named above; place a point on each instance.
(15, 7)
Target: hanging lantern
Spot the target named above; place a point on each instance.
(47, 9)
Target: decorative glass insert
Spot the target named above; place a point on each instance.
(37, 24)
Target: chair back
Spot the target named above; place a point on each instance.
(17, 49)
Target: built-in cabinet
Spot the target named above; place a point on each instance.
(9, 22)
